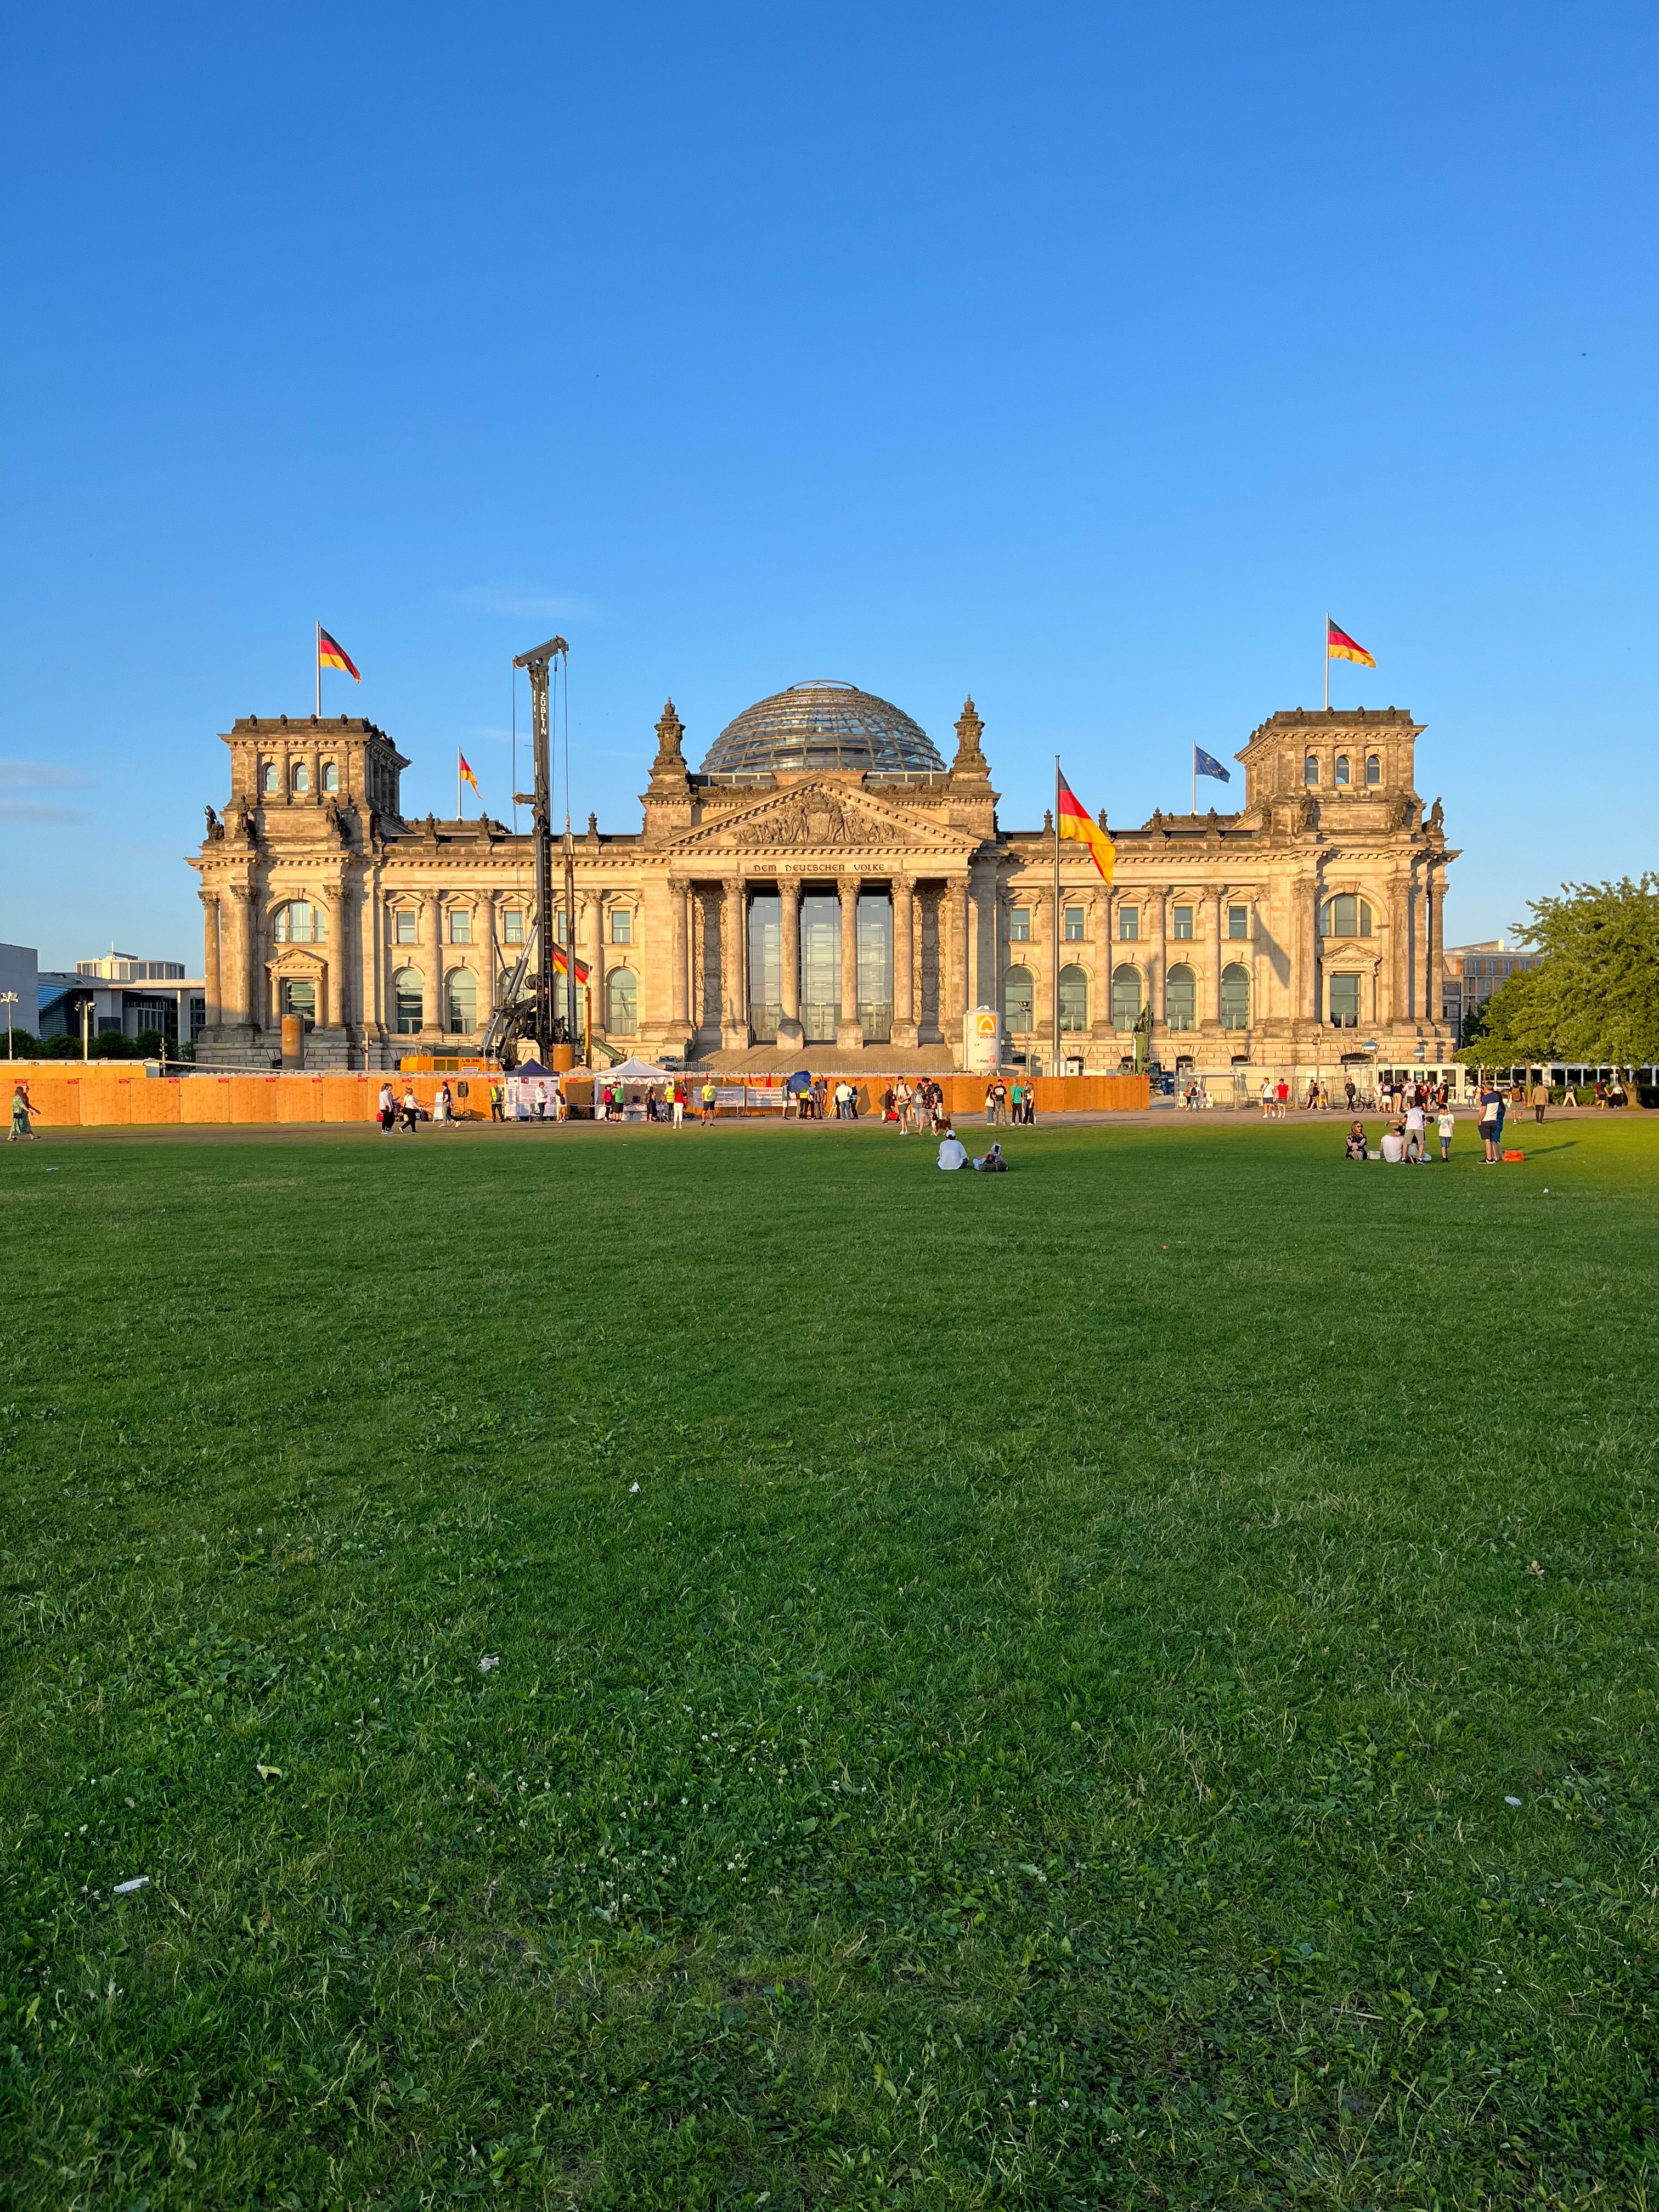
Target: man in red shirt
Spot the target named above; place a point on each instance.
(1281, 1098)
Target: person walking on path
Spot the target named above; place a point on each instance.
(1281, 1099)
(443, 1107)
(388, 1110)
(23, 1106)
(411, 1109)
(1541, 1099)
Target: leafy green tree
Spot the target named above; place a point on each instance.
(1596, 997)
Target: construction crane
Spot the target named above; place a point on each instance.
(536, 1011)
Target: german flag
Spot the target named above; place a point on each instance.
(1338, 645)
(465, 773)
(1076, 822)
(561, 964)
(332, 654)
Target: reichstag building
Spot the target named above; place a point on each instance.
(828, 888)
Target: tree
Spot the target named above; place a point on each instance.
(1596, 997)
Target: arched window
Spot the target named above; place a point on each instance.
(1180, 998)
(298, 923)
(1345, 916)
(269, 778)
(330, 775)
(409, 1000)
(1234, 996)
(299, 997)
(1310, 771)
(1341, 775)
(1342, 1001)
(301, 777)
(1125, 997)
(622, 1002)
(1074, 1001)
(1018, 1004)
(463, 1006)
(1373, 768)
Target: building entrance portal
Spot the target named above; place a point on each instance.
(820, 969)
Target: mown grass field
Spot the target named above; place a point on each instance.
(1043, 1731)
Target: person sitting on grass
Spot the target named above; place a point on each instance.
(1393, 1145)
(993, 1163)
(1356, 1146)
(952, 1153)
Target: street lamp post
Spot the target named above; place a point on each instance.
(8, 1000)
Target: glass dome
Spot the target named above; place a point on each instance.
(825, 725)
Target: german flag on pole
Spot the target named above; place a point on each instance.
(1338, 645)
(1073, 820)
(561, 964)
(465, 773)
(330, 654)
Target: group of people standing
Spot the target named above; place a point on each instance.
(1011, 1103)
(1406, 1141)
(915, 1108)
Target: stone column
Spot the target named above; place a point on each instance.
(432, 1014)
(955, 960)
(210, 954)
(680, 977)
(734, 969)
(258, 1001)
(1220, 958)
(1309, 994)
(789, 1027)
(592, 908)
(371, 925)
(850, 1032)
(1399, 1005)
(492, 953)
(330, 1003)
(1155, 909)
(237, 1007)
(1434, 988)
(905, 1031)
(1101, 1025)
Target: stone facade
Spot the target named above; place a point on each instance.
(843, 916)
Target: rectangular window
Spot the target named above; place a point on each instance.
(1019, 925)
(1183, 922)
(460, 926)
(1074, 925)
(402, 925)
(1128, 923)
(561, 924)
(512, 925)
(1238, 921)
(1342, 999)
(622, 926)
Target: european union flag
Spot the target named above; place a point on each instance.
(1206, 764)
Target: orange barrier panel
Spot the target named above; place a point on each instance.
(349, 1097)
(298, 1098)
(204, 1098)
(154, 1101)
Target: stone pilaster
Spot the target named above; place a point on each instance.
(905, 1026)
(210, 954)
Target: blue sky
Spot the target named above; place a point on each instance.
(1078, 357)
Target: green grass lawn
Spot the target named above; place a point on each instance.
(1067, 1717)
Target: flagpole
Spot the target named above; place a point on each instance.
(1328, 660)
(1195, 779)
(1056, 931)
(317, 656)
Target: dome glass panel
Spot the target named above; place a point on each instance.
(824, 725)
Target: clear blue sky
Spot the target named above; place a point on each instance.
(1080, 357)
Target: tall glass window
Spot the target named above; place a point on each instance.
(298, 923)
(301, 776)
(1310, 771)
(1180, 998)
(1345, 916)
(1183, 926)
(330, 775)
(1018, 1002)
(1126, 998)
(1234, 996)
(875, 993)
(765, 965)
(512, 925)
(299, 997)
(463, 1007)
(1128, 923)
(460, 926)
(622, 925)
(1373, 768)
(407, 997)
(1074, 1001)
(402, 925)
(1073, 930)
(1342, 1001)
(622, 1002)
(820, 969)
(1238, 921)
(1341, 775)
(1019, 925)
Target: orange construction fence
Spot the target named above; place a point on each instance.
(95, 1097)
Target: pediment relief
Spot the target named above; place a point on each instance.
(823, 815)
(296, 960)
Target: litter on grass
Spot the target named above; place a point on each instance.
(267, 1773)
(122, 1887)
(633, 1488)
(484, 1665)
(1511, 1800)
(1535, 1569)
